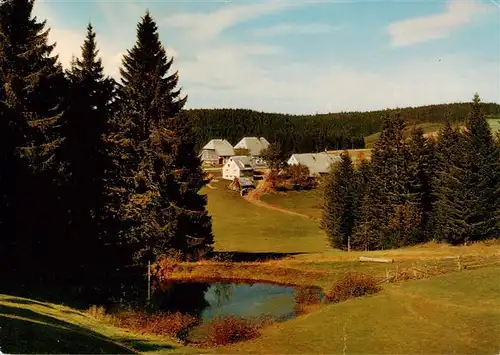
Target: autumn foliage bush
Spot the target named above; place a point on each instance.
(167, 324)
(304, 297)
(228, 330)
(353, 285)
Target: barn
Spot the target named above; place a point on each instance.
(318, 163)
(255, 146)
(216, 152)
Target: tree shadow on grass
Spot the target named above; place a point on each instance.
(144, 345)
(252, 257)
(26, 302)
(26, 331)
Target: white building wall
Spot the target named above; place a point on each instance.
(230, 170)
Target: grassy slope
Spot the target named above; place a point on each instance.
(28, 326)
(430, 128)
(427, 127)
(447, 314)
(241, 226)
(305, 202)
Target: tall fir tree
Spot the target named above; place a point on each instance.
(33, 99)
(422, 161)
(450, 206)
(468, 182)
(85, 152)
(159, 208)
(389, 203)
(483, 165)
(340, 201)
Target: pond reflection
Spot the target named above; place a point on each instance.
(208, 300)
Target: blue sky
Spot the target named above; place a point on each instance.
(303, 56)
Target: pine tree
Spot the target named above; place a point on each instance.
(159, 172)
(450, 205)
(483, 165)
(339, 214)
(85, 151)
(193, 236)
(33, 87)
(421, 158)
(389, 200)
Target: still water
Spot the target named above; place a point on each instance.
(208, 300)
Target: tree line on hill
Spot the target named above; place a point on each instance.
(417, 189)
(315, 133)
(95, 175)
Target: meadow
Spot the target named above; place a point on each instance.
(240, 226)
(435, 303)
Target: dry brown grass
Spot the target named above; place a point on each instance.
(228, 330)
(323, 269)
(175, 325)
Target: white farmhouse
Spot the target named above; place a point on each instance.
(318, 163)
(237, 167)
(254, 146)
(216, 152)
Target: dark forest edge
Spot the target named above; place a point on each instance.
(315, 133)
(416, 189)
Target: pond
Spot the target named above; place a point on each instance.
(209, 300)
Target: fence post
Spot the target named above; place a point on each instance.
(149, 282)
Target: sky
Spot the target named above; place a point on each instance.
(302, 56)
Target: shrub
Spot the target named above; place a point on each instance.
(353, 285)
(228, 330)
(305, 296)
(167, 324)
(164, 267)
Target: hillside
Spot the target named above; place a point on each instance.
(308, 133)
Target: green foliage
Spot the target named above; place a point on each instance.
(85, 154)
(297, 175)
(157, 173)
(32, 105)
(340, 202)
(468, 182)
(390, 190)
(273, 156)
(314, 133)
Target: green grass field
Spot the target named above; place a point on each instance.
(305, 202)
(243, 227)
(457, 313)
(453, 313)
(28, 326)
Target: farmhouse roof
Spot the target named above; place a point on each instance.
(221, 146)
(245, 182)
(253, 144)
(318, 163)
(243, 162)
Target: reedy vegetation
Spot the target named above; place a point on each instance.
(417, 189)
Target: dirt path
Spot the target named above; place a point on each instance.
(254, 197)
